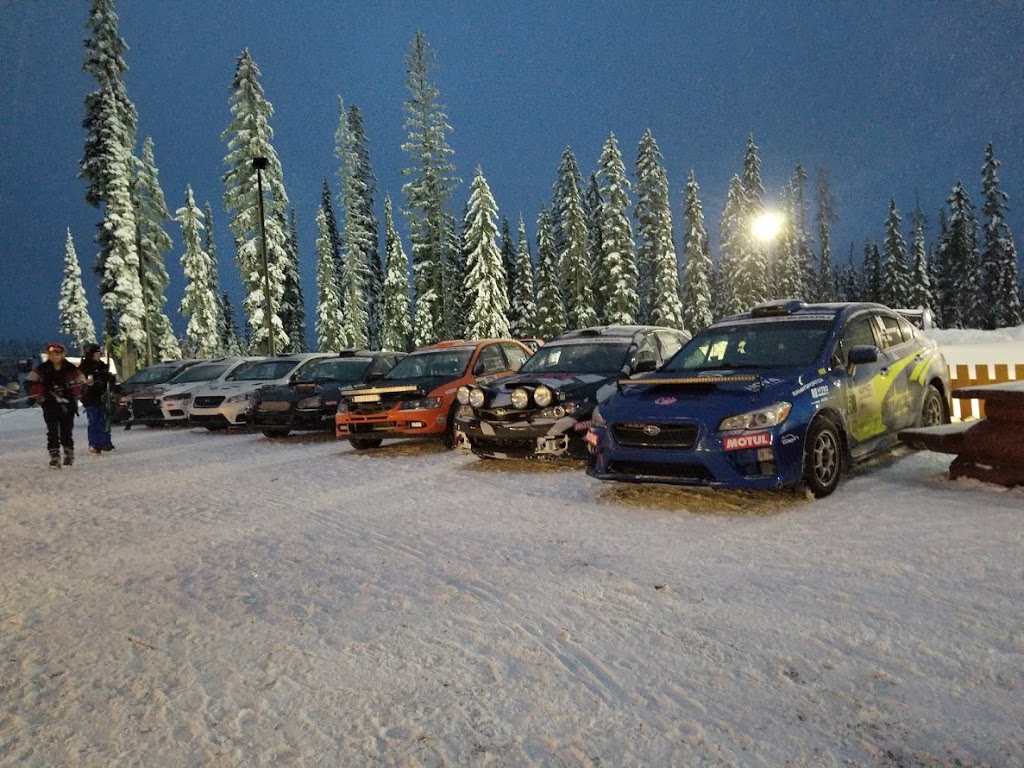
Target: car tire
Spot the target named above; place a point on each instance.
(278, 432)
(365, 443)
(933, 409)
(451, 431)
(823, 458)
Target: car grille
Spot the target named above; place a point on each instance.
(274, 405)
(368, 409)
(656, 469)
(209, 401)
(146, 408)
(682, 436)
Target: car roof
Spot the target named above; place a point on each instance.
(618, 331)
(460, 343)
(791, 308)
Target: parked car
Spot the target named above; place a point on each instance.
(158, 373)
(168, 403)
(543, 411)
(416, 398)
(783, 395)
(310, 400)
(228, 403)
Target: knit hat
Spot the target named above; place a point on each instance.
(90, 350)
(54, 346)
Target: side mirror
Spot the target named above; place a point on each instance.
(646, 365)
(863, 354)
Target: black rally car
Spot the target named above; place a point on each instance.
(543, 411)
(309, 401)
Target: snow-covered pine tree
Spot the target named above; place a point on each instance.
(617, 276)
(787, 268)
(485, 270)
(733, 290)
(210, 247)
(657, 263)
(457, 299)
(369, 225)
(330, 329)
(697, 267)
(293, 305)
(998, 252)
(508, 255)
(567, 177)
(355, 272)
(825, 286)
(199, 304)
(551, 319)
(592, 209)
(937, 273)
(896, 286)
(804, 256)
(428, 191)
(964, 303)
(230, 341)
(396, 322)
(249, 137)
(153, 243)
(754, 273)
(574, 262)
(73, 305)
(873, 273)
(850, 283)
(523, 311)
(920, 281)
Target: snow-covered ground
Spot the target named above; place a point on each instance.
(197, 598)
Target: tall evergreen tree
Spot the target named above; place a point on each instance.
(293, 305)
(920, 280)
(485, 269)
(330, 326)
(230, 341)
(617, 275)
(963, 305)
(896, 285)
(73, 305)
(803, 251)
(508, 255)
(367, 217)
(850, 286)
(574, 262)
(551, 318)
(396, 328)
(826, 281)
(736, 288)
(210, 247)
(592, 209)
(430, 187)
(568, 185)
(874, 274)
(698, 269)
(998, 252)
(153, 243)
(249, 137)
(199, 304)
(523, 309)
(355, 273)
(657, 263)
(937, 274)
(788, 267)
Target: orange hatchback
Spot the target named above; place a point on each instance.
(416, 398)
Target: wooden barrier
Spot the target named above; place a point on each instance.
(978, 375)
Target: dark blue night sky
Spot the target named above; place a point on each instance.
(895, 99)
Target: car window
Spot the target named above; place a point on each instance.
(348, 370)
(264, 370)
(754, 344)
(645, 352)
(891, 333)
(605, 357)
(490, 361)
(440, 362)
(669, 344)
(858, 332)
(515, 356)
(193, 373)
(907, 328)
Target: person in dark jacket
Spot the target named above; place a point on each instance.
(56, 385)
(100, 385)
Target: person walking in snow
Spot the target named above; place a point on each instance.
(56, 385)
(100, 385)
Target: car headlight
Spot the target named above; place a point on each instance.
(771, 416)
(462, 395)
(246, 398)
(543, 396)
(307, 403)
(476, 397)
(178, 398)
(558, 411)
(520, 398)
(596, 419)
(420, 404)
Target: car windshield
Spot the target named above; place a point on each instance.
(578, 357)
(757, 344)
(155, 374)
(265, 370)
(350, 369)
(206, 372)
(441, 362)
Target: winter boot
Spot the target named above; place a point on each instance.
(94, 450)
(69, 457)
(54, 459)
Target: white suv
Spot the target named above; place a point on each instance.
(227, 403)
(168, 403)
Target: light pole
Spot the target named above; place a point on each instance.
(260, 163)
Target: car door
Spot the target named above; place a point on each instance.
(864, 383)
(899, 409)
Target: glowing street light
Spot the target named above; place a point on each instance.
(260, 164)
(767, 225)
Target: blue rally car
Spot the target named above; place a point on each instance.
(786, 394)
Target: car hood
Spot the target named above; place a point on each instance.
(573, 386)
(228, 388)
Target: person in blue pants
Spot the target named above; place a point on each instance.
(100, 383)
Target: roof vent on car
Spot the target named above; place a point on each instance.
(778, 307)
